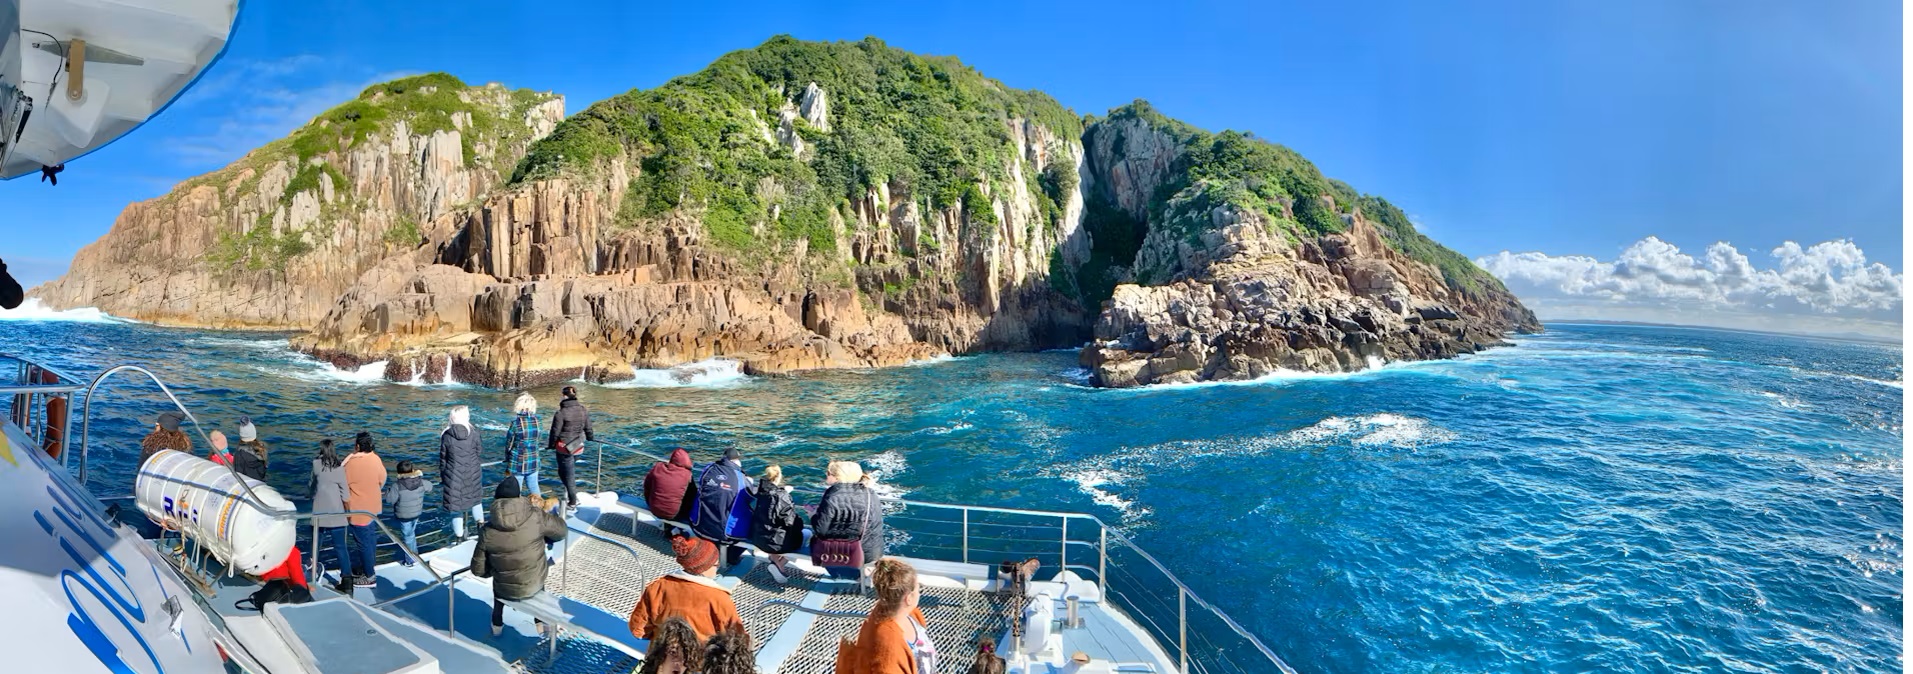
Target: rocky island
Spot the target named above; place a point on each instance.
(794, 206)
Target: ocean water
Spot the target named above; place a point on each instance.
(1595, 498)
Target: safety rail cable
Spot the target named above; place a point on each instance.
(1105, 530)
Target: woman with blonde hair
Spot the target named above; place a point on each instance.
(776, 526)
(848, 512)
(894, 638)
(521, 444)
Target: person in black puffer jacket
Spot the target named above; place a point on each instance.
(850, 509)
(570, 428)
(776, 526)
(511, 548)
(459, 470)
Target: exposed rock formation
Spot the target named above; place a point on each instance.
(1233, 292)
(272, 241)
(796, 206)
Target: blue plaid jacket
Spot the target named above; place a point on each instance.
(521, 452)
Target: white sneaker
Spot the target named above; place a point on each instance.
(777, 574)
(497, 630)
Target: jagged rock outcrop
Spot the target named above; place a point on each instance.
(273, 240)
(1234, 287)
(795, 206)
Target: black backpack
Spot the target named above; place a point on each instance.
(275, 590)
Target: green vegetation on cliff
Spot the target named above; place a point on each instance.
(929, 127)
(1236, 170)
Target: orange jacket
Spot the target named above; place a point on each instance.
(881, 648)
(364, 480)
(699, 600)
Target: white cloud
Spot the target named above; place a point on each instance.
(1826, 287)
(246, 104)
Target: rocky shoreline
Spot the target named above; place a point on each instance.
(477, 234)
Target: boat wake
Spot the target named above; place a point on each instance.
(712, 373)
(34, 310)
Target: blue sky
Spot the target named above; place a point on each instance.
(1555, 129)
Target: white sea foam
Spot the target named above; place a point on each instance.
(1784, 401)
(35, 310)
(250, 344)
(712, 373)
(883, 468)
(1091, 482)
(933, 360)
(320, 371)
(952, 428)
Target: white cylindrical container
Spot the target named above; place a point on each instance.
(205, 500)
(1039, 619)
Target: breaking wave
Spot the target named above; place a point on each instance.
(35, 310)
(712, 373)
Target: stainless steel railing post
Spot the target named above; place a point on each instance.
(598, 483)
(1065, 565)
(451, 601)
(1182, 618)
(966, 535)
(1102, 556)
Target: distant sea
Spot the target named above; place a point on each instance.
(1612, 498)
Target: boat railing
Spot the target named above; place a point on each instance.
(1196, 634)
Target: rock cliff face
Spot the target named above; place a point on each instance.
(273, 240)
(795, 206)
(1237, 282)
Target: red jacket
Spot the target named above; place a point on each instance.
(666, 485)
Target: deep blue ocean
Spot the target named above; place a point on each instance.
(1594, 498)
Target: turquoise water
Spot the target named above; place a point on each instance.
(1595, 498)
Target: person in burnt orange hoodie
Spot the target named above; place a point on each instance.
(364, 483)
(691, 594)
(895, 638)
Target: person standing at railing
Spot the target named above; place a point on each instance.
(894, 638)
(570, 429)
(461, 473)
(722, 512)
(511, 549)
(692, 594)
(249, 458)
(521, 444)
(407, 499)
(364, 480)
(776, 527)
(668, 488)
(849, 512)
(329, 492)
(165, 435)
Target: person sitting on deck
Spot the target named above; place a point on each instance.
(849, 510)
(776, 526)
(511, 548)
(691, 594)
(894, 639)
(675, 650)
(668, 487)
(730, 652)
(165, 435)
(722, 510)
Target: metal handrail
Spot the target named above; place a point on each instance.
(1183, 591)
(806, 609)
(428, 587)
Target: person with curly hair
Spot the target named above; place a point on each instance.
(165, 435)
(676, 649)
(729, 652)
